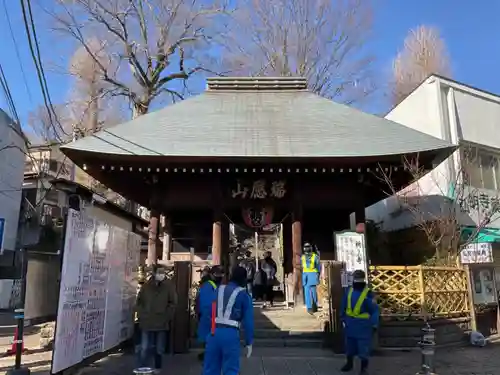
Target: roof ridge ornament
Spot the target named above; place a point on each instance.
(256, 83)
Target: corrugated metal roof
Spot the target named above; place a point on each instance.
(235, 118)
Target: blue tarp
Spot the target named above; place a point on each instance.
(483, 235)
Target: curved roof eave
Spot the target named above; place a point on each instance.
(436, 156)
(286, 123)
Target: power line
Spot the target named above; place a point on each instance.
(17, 51)
(36, 56)
(8, 97)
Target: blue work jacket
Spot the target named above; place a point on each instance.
(356, 327)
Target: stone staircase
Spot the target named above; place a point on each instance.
(279, 326)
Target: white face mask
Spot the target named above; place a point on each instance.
(159, 276)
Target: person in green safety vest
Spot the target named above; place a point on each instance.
(360, 315)
(310, 277)
(206, 295)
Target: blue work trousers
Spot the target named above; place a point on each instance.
(310, 281)
(360, 347)
(153, 345)
(222, 353)
(203, 330)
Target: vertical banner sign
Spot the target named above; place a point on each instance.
(97, 292)
(351, 250)
(2, 233)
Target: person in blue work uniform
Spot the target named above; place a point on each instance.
(310, 277)
(233, 309)
(360, 315)
(206, 295)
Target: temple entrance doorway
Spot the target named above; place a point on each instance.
(256, 231)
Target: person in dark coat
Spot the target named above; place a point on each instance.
(270, 268)
(156, 304)
(248, 263)
(259, 284)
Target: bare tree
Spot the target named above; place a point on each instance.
(88, 101)
(424, 53)
(42, 124)
(146, 45)
(322, 40)
(441, 210)
(80, 114)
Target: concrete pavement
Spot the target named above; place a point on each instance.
(295, 361)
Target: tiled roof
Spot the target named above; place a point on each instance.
(259, 117)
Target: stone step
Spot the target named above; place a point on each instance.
(288, 342)
(291, 321)
(277, 343)
(290, 326)
(287, 334)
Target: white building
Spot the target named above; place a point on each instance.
(468, 182)
(12, 156)
(465, 116)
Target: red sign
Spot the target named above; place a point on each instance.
(258, 217)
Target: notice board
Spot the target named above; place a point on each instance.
(350, 249)
(97, 291)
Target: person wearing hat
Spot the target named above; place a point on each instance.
(217, 274)
(360, 315)
(310, 277)
(206, 295)
(233, 309)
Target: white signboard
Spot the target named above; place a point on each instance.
(94, 313)
(351, 250)
(477, 253)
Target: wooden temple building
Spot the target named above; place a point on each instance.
(255, 150)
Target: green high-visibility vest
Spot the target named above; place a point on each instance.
(356, 312)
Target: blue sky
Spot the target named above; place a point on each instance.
(471, 30)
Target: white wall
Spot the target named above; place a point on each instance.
(422, 110)
(116, 221)
(450, 111)
(478, 117)
(11, 180)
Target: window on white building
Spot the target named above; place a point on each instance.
(482, 168)
(488, 166)
(472, 167)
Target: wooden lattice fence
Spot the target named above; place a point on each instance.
(420, 291)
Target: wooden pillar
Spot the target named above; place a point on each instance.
(360, 218)
(224, 256)
(470, 297)
(167, 239)
(154, 220)
(217, 240)
(335, 335)
(181, 325)
(298, 289)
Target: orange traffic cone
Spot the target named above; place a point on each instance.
(12, 349)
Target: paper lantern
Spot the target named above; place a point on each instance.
(360, 228)
(258, 217)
